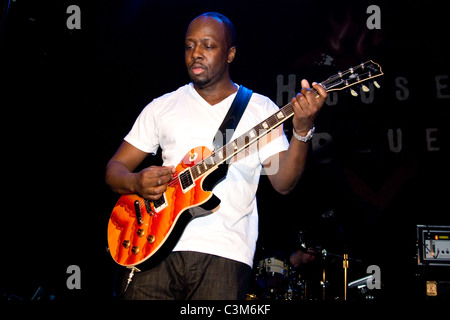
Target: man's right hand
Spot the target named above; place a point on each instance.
(151, 182)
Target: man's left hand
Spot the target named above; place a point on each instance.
(307, 106)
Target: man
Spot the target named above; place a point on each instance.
(213, 258)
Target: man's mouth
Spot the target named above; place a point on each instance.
(197, 69)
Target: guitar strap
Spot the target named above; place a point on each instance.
(230, 122)
(233, 116)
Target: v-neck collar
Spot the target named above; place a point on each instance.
(203, 101)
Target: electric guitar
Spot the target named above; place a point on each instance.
(144, 231)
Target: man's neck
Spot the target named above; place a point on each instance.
(216, 93)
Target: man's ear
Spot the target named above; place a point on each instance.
(231, 54)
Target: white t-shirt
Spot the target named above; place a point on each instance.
(181, 120)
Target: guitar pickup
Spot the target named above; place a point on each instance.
(186, 180)
(148, 207)
(161, 203)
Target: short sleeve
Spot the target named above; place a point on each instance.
(144, 133)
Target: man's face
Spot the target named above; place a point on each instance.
(206, 52)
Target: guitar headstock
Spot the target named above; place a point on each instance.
(353, 76)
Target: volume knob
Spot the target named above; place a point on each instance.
(135, 249)
(151, 238)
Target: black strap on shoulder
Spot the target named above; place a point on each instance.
(230, 121)
(233, 116)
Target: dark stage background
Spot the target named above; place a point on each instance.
(379, 162)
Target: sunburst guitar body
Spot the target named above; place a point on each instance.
(138, 228)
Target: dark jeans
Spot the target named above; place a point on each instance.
(192, 276)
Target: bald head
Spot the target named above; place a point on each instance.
(228, 28)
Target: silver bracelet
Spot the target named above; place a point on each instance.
(306, 138)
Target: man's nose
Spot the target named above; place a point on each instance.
(197, 53)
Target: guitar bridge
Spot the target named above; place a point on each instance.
(148, 208)
(186, 180)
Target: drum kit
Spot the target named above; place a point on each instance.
(311, 272)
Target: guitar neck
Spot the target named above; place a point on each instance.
(355, 75)
(235, 146)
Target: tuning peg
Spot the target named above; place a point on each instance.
(353, 92)
(365, 88)
(376, 85)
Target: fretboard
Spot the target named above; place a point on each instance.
(235, 146)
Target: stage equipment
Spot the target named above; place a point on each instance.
(433, 245)
(359, 289)
(272, 273)
(345, 266)
(433, 261)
